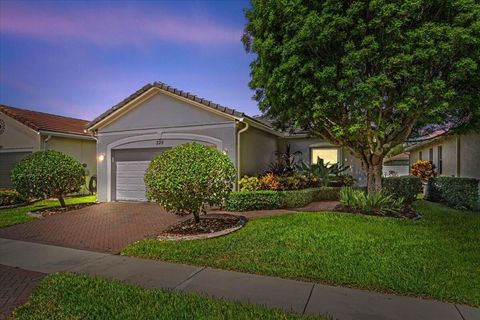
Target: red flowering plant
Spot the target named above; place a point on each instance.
(423, 169)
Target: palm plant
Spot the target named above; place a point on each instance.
(324, 172)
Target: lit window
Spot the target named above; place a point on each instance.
(327, 154)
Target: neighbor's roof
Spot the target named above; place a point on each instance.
(400, 156)
(40, 121)
(180, 93)
(428, 139)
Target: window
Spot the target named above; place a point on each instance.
(440, 161)
(430, 155)
(327, 154)
(420, 155)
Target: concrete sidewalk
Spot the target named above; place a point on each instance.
(301, 297)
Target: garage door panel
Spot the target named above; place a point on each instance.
(131, 195)
(129, 180)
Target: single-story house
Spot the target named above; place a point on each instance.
(158, 117)
(456, 155)
(25, 131)
(397, 165)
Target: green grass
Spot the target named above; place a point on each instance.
(18, 215)
(69, 296)
(436, 257)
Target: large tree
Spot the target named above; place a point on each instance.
(364, 74)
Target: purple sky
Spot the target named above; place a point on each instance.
(78, 58)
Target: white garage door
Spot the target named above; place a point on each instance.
(130, 185)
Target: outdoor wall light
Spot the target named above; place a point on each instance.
(101, 157)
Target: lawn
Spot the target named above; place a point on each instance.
(18, 215)
(69, 296)
(436, 257)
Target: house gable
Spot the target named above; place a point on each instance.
(18, 136)
(161, 110)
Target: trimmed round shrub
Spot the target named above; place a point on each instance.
(48, 174)
(188, 177)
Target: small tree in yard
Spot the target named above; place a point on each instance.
(365, 74)
(186, 178)
(48, 174)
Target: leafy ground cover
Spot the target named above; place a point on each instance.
(436, 257)
(69, 296)
(18, 215)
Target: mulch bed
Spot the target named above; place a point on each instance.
(208, 224)
(59, 210)
(407, 213)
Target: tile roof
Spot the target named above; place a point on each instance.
(40, 121)
(178, 92)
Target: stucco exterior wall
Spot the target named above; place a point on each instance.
(162, 111)
(469, 155)
(160, 122)
(257, 151)
(82, 150)
(18, 136)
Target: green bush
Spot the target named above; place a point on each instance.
(188, 177)
(249, 184)
(269, 199)
(298, 198)
(48, 174)
(253, 200)
(406, 187)
(455, 192)
(356, 199)
(10, 197)
(328, 194)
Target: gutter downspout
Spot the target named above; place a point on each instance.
(238, 150)
(45, 142)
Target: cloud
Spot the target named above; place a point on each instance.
(115, 26)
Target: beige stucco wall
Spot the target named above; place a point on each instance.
(82, 150)
(18, 136)
(469, 149)
(257, 151)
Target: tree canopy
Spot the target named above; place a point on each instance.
(365, 74)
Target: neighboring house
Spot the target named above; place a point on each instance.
(24, 131)
(158, 117)
(456, 155)
(397, 165)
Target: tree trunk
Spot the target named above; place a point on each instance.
(196, 217)
(62, 201)
(374, 177)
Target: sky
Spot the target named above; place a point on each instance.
(78, 58)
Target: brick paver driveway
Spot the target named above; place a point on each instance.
(104, 227)
(16, 285)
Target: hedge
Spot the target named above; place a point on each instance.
(264, 200)
(455, 192)
(10, 197)
(253, 200)
(406, 187)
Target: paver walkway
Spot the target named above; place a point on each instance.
(104, 227)
(16, 285)
(298, 296)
